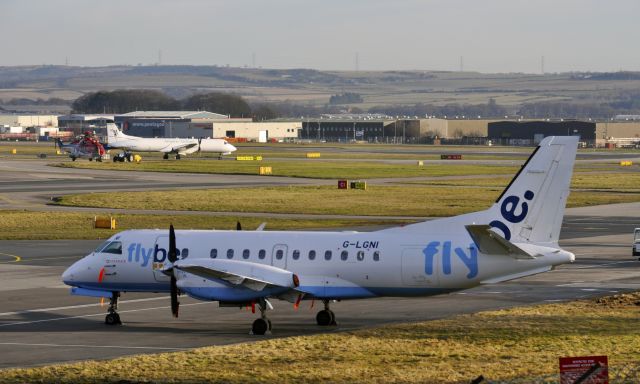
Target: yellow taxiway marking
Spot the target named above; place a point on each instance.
(17, 258)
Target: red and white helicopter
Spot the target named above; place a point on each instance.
(84, 146)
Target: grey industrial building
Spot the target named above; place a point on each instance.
(532, 132)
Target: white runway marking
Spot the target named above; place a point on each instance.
(78, 306)
(92, 315)
(91, 346)
(602, 265)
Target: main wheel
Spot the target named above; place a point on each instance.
(112, 319)
(178, 157)
(91, 159)
(325, 318)
(260, 327)
(165, 156)
(130, 158)
(115, 159)
(73, 158)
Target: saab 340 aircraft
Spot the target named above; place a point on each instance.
(516, 237)
(175, 146)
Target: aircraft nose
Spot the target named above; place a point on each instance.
(232, 148)
(68, 276)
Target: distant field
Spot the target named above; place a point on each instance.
(422, 201)
(313, 87)
(21, 225)
(517, 343)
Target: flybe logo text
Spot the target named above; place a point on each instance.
(140, 254)
(434, 248)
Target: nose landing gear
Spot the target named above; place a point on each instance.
(113, 318)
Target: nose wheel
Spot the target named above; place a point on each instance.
(113, 318)
(326, 316)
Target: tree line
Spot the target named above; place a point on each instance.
(125, 100)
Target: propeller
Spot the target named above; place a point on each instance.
(172, 255)
(238, 226)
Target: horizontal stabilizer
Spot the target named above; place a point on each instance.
(490, 243)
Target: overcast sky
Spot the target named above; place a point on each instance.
(490, 35)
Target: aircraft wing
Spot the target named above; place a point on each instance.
(177, 147)
(253, 276)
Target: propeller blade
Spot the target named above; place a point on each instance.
(238, 226)
(175, 304)
(172, 255)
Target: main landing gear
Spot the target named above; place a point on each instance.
(263, 324)
(326, 316)
(113, 318)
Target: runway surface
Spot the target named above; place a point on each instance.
(42, 324)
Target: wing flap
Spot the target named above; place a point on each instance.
(490, 243)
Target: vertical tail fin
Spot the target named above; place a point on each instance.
(531, 208)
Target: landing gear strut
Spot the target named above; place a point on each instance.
(326, 316)
(113, 318)
(263, 324)
(178, 156)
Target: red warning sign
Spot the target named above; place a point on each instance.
(587, 369)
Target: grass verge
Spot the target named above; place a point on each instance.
(21, 225)
(431, 201)
(514, 343)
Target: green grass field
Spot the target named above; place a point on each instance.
(424, 201)
(21, 225)
(500, 345)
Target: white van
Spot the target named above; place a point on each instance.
(636, 242)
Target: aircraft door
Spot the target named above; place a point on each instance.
(279, 256)
(419, 267)
(161, 245)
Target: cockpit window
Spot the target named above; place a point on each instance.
(114, 247)
(102, 245)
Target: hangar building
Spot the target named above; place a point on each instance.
(532, 132)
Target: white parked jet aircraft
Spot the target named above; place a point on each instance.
(516, 237)
(175, 146)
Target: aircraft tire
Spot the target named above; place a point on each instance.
(165, 156)
(91, 159)
(260, 326)
(325, 317)
(178, 157)
(73, 158)
(112, 319)
(130, 158)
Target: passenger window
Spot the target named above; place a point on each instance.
(360, 255)
(185, 253)
(312, 255)
(245, 254)
(327, 255)
(229, 253)
(214, 253)
(279, 254)
(115, 247)
(296, 255)
(376, 256)
(262, 254)
(344, 255)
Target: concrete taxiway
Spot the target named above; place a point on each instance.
(42, 324)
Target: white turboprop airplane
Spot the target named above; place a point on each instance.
(516, 237)
(176, 146)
